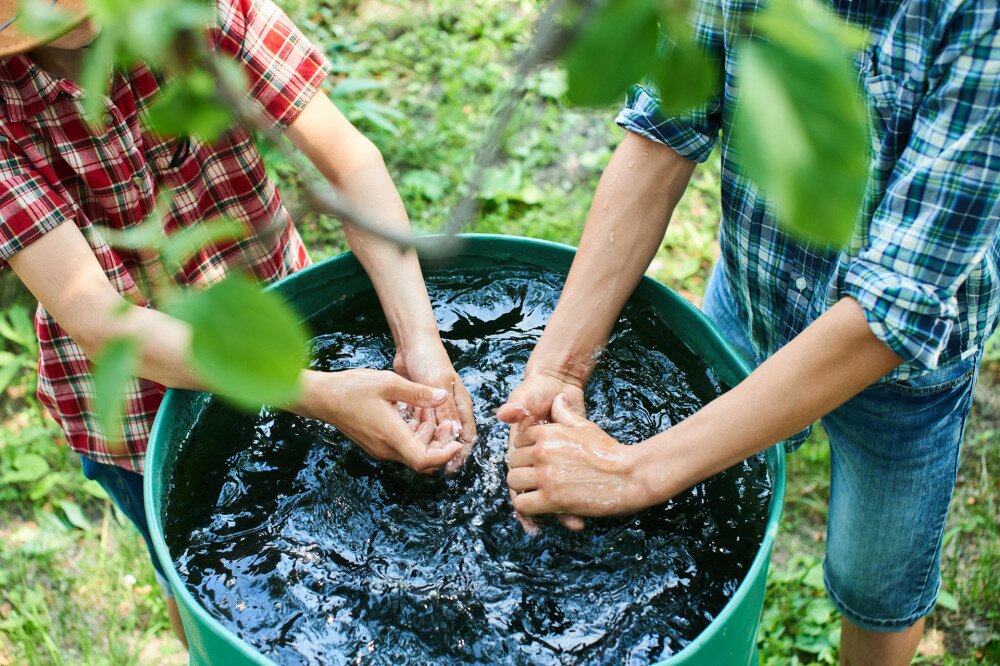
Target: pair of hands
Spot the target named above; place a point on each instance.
(437, 428)
(562, 463)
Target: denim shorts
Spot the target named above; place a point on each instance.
(125, 490)
(894, 451)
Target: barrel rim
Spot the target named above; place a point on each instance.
(757, 567)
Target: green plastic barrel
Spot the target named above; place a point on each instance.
(729, 640)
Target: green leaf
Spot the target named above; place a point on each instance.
(18, 326)
(75, 515)
(28, 467)
(247, 345)
(43, 487)
(114, 367)
(95, 75)
(819, 611)
(429, 184)
(684, 75)
(190, 105)
(800, 127)
(814, 576)
(551, 83)
(353, 86)
(947, 600)
(42, 19)
(614, 49)
(7, 374)
(148, 235)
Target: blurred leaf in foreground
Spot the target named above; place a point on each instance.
(115, 366)
(247, 344)
(613, 50)
(800, 127)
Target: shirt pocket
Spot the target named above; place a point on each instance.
(882, 100)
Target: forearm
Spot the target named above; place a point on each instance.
(625, 226)
(396, 275)
(830, 362)
(354, 165)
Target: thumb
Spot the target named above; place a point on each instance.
(512, 412)
(413, 394)
(563, 414)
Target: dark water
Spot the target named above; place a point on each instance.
(314, 553)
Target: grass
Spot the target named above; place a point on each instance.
(75, 581)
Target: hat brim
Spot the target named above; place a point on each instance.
(13, 41)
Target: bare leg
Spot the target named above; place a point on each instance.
(860, 647)
(175, 622)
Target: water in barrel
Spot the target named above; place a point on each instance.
(314, 553)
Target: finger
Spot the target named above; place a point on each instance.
(527, 524)
(464, 404)
(512, 412)
(563, 414)
(522, 479)
(575, 403)
(447, 432)
(418, 395)
(433, 457)
(425, 433)
(571, 522)
(521, 457)
(531, 435)
(532, 503)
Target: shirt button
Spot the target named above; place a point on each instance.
(801, 283)
(139, 182)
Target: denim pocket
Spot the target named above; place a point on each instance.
(934, 381)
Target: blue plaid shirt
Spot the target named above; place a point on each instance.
(924, 260)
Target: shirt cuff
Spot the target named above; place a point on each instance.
(642, 116)
(311, 75)
(11, 244)
(908, 316)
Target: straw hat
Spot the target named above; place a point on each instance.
(13, 41)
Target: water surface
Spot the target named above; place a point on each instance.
(316, 554)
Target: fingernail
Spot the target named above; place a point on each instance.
(439, 394)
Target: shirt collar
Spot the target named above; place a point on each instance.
(26, 88)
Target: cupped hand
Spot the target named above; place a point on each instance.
(364, 405)
(530, 404)
(427, 362)
(571, 466)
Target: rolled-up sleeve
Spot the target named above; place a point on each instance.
(29, 206)
(694, 133)
(283, 68)
(938, 220)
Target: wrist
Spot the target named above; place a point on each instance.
(315, 394)
(418, 338)
(565, 368)
(653, 479)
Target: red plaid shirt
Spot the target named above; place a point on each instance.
(53, 170)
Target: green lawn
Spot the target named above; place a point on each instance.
(422, 78)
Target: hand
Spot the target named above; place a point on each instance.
(427, 362)
(363, 404)
(571, 466)
(530, 404)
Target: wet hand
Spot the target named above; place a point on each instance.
(571, 466)
(427, 362)
(363, 404)
(530, 404)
